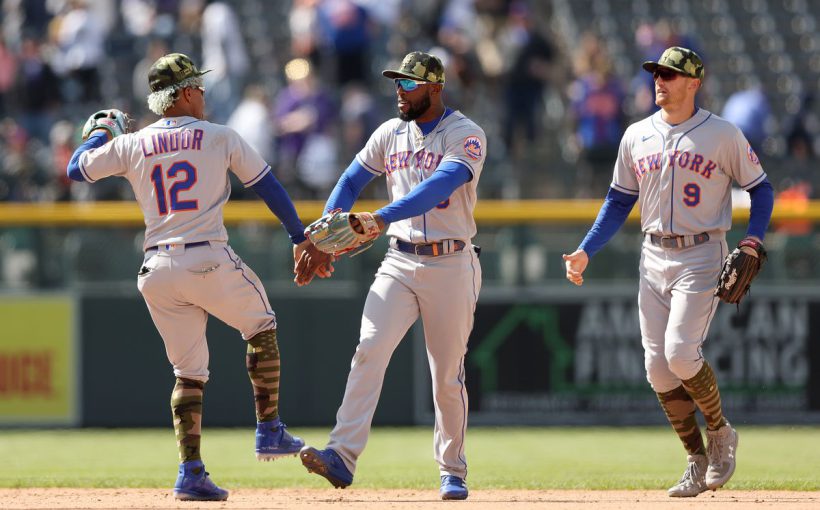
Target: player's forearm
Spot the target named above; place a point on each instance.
(279, 202)
(760, 214)
(350, 185)
(426, 195)
(96, 139)
(610, 218)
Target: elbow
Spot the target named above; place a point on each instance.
(73, 170)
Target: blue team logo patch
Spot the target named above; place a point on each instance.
(170, 122)
(472, 147)
(752, 155)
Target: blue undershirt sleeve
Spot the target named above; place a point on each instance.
(431, 192)
(279, 202)
(760, 213)
(610, 218)
(350, 185)
(96, 139)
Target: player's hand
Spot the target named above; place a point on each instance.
(576, 263)
(308, 262)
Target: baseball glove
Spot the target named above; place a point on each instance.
(339, 232)
(739, 269)
(114, 121)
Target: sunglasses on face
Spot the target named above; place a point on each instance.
(665, 74)
(409, 85)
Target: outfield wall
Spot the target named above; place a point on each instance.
(535, 357)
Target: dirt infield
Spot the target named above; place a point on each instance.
(314, 499)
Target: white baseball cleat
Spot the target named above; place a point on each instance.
(693, 481)
(721, 448)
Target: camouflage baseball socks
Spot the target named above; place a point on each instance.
(186, 406)
(680, 411)
(704, 391)
(262, 361)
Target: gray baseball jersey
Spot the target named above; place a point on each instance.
(398, 150)
(442, 290)
(684, 173)
(178, 168)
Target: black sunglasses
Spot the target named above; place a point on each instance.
(665, 74)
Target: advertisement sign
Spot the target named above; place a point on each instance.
(561, 358)
(37, 361)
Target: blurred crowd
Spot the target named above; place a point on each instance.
(301, 82)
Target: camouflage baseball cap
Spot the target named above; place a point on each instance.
(419, 66)
(170, 70)
(682, 60)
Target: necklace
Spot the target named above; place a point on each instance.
(420, 136)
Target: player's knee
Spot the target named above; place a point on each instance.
(684, 363)
(197, 375)
(658, 375)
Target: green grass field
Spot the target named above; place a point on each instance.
(786, 458)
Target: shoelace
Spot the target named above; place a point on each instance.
(691, 474)
(714, 449)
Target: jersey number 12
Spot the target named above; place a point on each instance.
(188, 171)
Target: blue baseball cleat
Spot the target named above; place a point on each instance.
(453, 487)
(273, 441)
(328, 464)
(193, 484)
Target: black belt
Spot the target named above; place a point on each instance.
(187, 245)
(432, 249)
(678, 241)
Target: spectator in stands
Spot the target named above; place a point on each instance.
(303, 21)
(8, 73)
(347, 27)
(799, 170)
(22, 175)
(35, 96)
(748, 109)
(252, 120)
(304, 116)
(223, 51)
(80, 35)
(62, 147)
(597, 114)
(530, 55)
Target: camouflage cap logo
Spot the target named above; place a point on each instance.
(418, 66)
(170, 70)
(682, 60)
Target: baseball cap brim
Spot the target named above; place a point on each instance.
(650, 67)
(392, 74)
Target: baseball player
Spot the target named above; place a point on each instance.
(431, 158)
(680, 162)
(178, 168)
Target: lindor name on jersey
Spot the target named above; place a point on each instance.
(171, 141)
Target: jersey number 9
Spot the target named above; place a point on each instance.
(692, 194)
(188, 172)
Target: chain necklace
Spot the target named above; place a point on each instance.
(420, 136)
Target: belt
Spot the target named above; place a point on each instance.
(186, 245)
(432, 249)
(678, 241)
